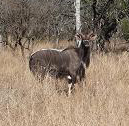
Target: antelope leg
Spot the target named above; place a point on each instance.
(69, 91)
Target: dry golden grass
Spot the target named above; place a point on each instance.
(104, 100)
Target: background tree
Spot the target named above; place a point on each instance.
(23, 21)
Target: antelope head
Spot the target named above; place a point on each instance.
(85, 39)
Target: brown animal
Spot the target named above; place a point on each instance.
(67, 63)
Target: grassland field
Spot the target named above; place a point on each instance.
(103, 100)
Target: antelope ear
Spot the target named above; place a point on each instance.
(78, 36)
(92, 37)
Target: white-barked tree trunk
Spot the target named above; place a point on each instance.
(78, 20)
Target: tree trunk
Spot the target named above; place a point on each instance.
(78, 20)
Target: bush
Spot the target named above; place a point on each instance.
(125, 28)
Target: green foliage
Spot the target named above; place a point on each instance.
(121, 4)
(125, 28)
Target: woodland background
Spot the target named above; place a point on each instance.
(24, 21)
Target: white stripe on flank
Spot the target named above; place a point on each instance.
(53, 49)
(59, 50)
